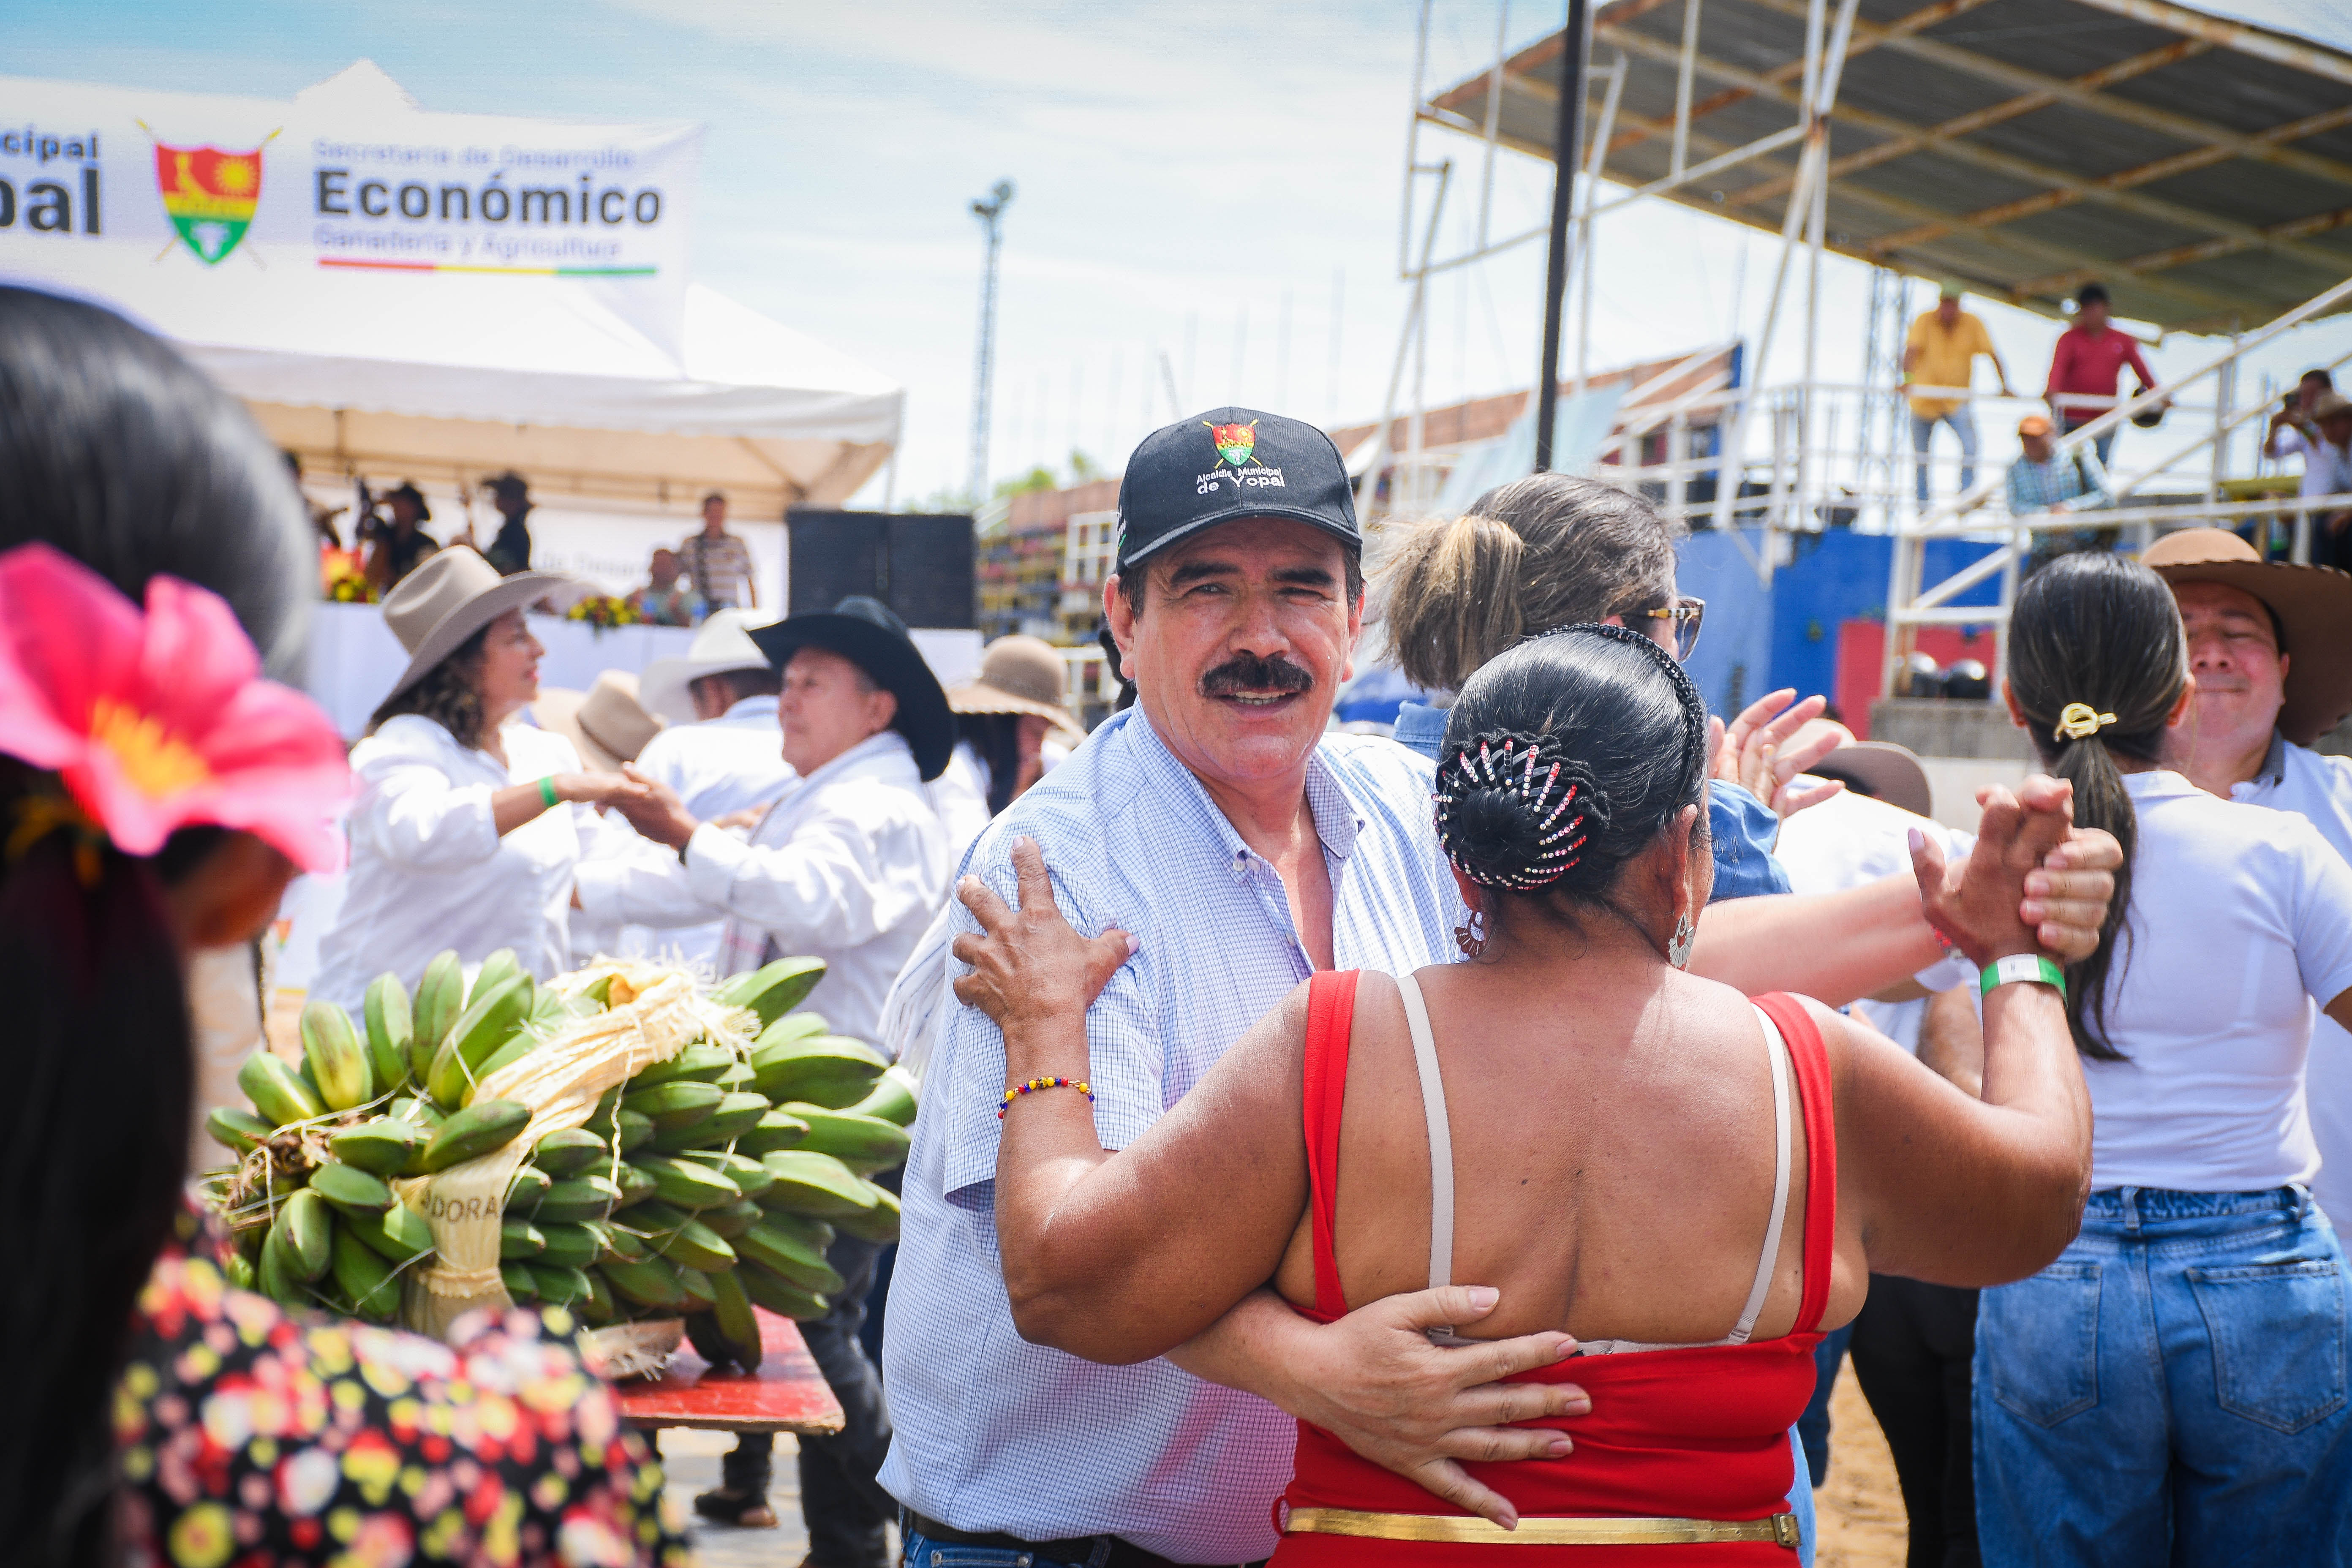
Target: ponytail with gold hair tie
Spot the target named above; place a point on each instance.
(2080, 721)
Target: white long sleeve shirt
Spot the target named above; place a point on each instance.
(718, 766)
(849, 866)
(429, 869)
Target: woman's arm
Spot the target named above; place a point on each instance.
(1946, 1188)
(1119, 1258)
(1839, 947)
(517, 804)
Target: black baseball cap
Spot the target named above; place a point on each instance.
(1230, 463)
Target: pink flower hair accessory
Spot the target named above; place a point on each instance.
(159, 720)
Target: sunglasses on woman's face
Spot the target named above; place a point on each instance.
(1685, 616)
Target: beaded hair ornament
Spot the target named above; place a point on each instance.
(1545, 784)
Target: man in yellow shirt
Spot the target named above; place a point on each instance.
(1941, 352)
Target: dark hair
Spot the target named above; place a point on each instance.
(2103, 631)
(718, 496)
(116, 452)
(2321, 376)
(2092, 293)
(997, 738)
(1550, 550)
(1598, 709)
(451, 694)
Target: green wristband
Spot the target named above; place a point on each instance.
(547, 791)
(2033, 967)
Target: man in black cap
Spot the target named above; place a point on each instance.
(849, 865)
(1245, 848)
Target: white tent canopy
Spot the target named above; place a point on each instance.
(573, 397)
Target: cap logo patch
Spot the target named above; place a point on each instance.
(1236, 447)
(1234, 442)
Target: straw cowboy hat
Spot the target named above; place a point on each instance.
(604, 724)
(1884, 771)
(865, 632)
(721, 646)
(452, 596)
(1018, 675)
(2313, 607)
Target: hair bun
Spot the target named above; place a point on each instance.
(1513, 810)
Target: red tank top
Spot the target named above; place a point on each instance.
(1694, 1433)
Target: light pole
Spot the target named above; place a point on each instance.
(989, 210)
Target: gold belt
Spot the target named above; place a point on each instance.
(1781, 1529)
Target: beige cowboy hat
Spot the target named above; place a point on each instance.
(604, 723)
(723, 645)
(1018, 675)
(454, 595)
(2313, 607)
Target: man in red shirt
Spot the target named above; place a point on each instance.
(2087, 363)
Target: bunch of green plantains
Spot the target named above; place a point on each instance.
(710, 1172)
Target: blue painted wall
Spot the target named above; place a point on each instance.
(1757, 639)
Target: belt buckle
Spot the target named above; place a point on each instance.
(1785, 1531)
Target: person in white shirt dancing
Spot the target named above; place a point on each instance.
(2271, 646)
(721, 755)
(2173, 1388)
(848, 867)
(461, 837)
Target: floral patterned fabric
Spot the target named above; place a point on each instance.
(253, 1437)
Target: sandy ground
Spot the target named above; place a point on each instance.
(1861, 1520)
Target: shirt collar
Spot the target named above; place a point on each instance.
(762, 706)
(2270, 776)
(2158, 784)
(884, 749)
(1337, 818)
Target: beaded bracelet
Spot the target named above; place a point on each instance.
(1035, 1084)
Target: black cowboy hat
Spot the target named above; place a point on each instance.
(865, 632)
(406, 491)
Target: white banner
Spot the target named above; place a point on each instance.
(211, 216)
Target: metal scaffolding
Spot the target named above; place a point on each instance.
(2196, 166)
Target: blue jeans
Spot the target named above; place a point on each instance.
(2172, 1389)
(922, 1551)
(1963, 424)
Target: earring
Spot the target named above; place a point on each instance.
(1471, 936)
(1678, 952)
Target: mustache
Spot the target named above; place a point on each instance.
(1248, 672)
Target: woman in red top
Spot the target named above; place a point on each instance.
(1688, 1186)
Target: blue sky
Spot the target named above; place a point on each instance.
(1197, 183)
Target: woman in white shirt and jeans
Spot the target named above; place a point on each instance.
(2174, 1387)
(455, 838)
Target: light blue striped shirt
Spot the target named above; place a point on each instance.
(995, 1434)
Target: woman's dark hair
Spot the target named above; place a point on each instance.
(451, 694)
(997, 738)
(116, 452)
(2101, 632)
(1598, 709)
(1550, 550)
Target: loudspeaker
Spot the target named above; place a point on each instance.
(918, 563)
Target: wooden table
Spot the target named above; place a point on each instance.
(786, 1395)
